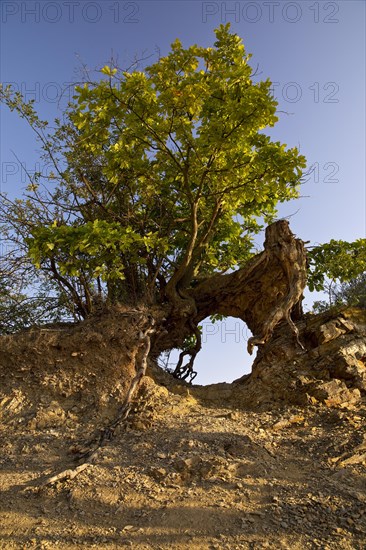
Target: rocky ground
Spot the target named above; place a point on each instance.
(192, 467)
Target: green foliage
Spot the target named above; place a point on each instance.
(19, 310)
(351, 293)
(191, 341)
(320, 306)
(94, 247)
(217, 317)
(14, 314)
(160, 177)
(338, 261)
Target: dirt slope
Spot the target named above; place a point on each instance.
(201, 468)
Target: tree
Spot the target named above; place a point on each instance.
(353, 293)
(161, 177)
(339, 268)
(350, 293)
(340, 261)
(19, 309)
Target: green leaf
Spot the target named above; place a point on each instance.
(108, 70)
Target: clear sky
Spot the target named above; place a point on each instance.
(314, 53)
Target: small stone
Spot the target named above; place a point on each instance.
(159, 474)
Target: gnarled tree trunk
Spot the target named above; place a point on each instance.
(264, 292)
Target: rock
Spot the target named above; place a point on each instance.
(331, 371)
(159, 474)
(329, 331)
(335, 393)
(286, 422)
(238, 448)
(52, 416)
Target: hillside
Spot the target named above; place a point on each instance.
(275, 460)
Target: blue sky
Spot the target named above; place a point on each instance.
(314, 53)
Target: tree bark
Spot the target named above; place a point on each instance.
(263, 293)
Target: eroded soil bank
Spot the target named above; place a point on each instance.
(277, 460)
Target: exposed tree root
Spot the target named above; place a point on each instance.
(67, 474)
(186, 371)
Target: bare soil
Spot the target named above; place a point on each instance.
(182, 472)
